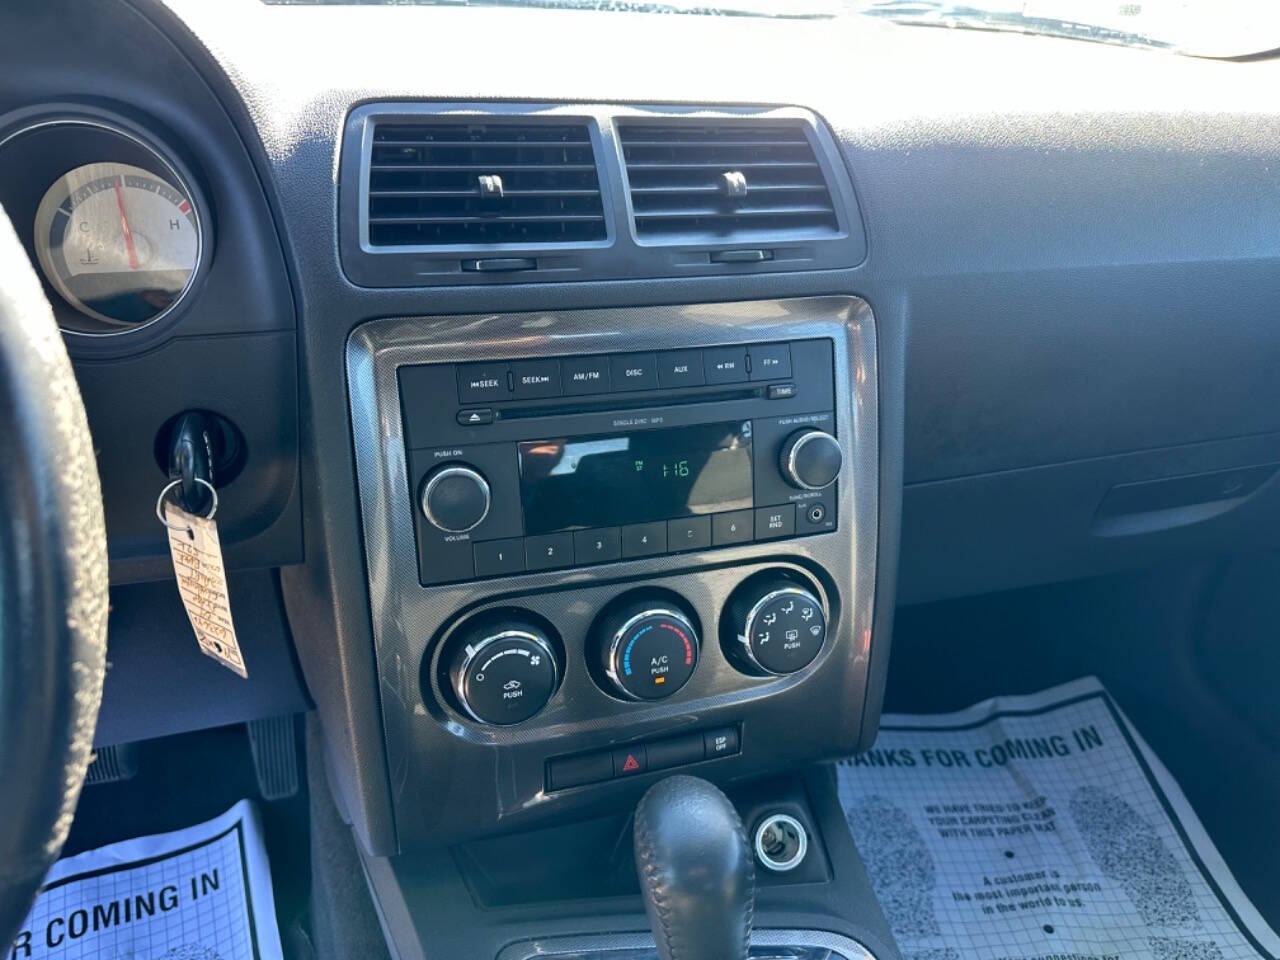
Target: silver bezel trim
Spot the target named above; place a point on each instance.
(549, 948)
(793, 474)
(472, 651)
(411, 620)
(745, 636)
(424, 500)
(778, 866)
(178, 179)
(611, 663)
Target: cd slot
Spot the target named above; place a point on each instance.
(611, 403)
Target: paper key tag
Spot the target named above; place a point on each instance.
(202, 583)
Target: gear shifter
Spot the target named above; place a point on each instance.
(696, 872)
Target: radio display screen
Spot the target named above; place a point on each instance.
(609, 481)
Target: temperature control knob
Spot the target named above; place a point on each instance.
(504, 672)
(648, 649)
(455, 498)
(780, 626)
(810, 459)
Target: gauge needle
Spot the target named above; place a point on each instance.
(124, 228)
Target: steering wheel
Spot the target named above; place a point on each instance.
(53, 587)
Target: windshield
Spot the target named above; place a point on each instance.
(1203, 28)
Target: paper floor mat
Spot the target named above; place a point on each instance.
(1040, 827)
(203, 893)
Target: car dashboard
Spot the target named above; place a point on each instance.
(590, 387)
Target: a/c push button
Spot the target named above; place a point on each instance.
(648, 649)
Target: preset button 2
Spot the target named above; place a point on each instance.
(548, 551)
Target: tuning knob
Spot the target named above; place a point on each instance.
(504, 672)
(648, 649)
(454, 498)
(810, 459)
(779, 625)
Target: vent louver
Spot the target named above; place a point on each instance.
(695, 182)
(441, 182)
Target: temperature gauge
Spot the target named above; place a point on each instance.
(121, 244)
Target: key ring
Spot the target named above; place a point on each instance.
(213, 507)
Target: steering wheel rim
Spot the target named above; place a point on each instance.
(53, 587)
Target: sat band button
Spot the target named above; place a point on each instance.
(585, 375)
(691, 533)
(602, 545)
(628, 761)
(475, 418)
(536, 379)
(644, 539)
(770, 361)
(479, 382)
(736, 526)
(497, 557)
(721, 743)
(774, 522)
(548, 551)
(680, 368)
(634, 371)
(725, 364)
(675, 752)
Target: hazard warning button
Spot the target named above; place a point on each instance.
(630, 760)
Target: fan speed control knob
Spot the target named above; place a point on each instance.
(649, 649)
(810, 459)
(780, 626)
(505, 672)
(454, 498)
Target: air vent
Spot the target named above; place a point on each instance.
(737, 181)
(437, 183)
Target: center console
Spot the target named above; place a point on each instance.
(607, 544)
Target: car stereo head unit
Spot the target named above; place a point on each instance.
(528, 465)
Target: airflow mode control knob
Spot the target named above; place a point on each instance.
(455, 498)
(810, 459)
(648, 649)
(505, 672)
(780, 626)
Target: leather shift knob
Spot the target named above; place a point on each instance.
(696, 872)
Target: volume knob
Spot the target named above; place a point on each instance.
(810, 459)
(455, 498)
